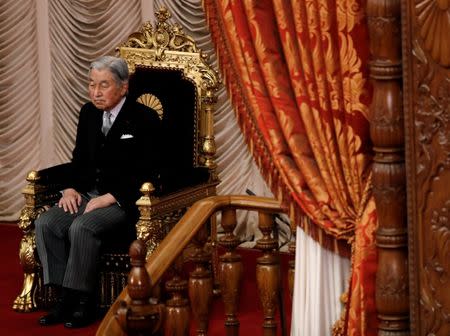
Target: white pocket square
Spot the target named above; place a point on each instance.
(126, 136)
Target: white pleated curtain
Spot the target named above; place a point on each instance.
(45, 50)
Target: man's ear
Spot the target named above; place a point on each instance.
(124, 89)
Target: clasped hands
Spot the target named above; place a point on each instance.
(71, 200)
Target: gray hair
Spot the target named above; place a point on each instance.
(116, 65)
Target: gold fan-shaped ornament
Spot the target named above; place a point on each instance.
(433, 17)
(153, 102)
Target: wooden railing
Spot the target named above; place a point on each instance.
(136, 311)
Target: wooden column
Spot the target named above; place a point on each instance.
(230, 271)
(177, 308)
(389, 187)
(268, 275)
(201, 284)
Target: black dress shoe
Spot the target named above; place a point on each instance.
(51, 318)
(84, 312)
(59, 312)
(79, 320)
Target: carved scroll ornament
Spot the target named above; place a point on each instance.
(433, 17)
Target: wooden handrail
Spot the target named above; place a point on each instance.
(179, 237)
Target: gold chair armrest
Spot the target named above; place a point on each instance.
(41, 191)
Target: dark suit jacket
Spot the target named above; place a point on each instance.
(120, 162)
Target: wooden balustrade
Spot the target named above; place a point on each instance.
(191, 230)
(201, 284)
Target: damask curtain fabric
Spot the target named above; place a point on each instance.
(296, 74)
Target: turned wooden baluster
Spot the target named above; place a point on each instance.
(139, 317)
(177, 308)
(230, 272)
(201, 283)
(268, 275)
(389, 187)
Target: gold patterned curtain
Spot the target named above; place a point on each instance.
(295, 71)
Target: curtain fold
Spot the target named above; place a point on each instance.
(78, 32)
(81, 31)
(19, 101)
(320, 277)
(296, 74)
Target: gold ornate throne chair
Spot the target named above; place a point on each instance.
(170, 74)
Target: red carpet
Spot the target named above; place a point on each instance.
(20, 324)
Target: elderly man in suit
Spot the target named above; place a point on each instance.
(115, 152)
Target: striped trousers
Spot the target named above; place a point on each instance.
(69, 245)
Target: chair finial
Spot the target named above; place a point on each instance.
(163, 15)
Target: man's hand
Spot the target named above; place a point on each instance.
(70, 200)
(100, 202)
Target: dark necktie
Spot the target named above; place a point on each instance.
(107, 122)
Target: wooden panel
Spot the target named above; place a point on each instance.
(426, 50)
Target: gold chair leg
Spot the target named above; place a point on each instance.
(26, 300)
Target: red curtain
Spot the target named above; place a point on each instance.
(296, 73)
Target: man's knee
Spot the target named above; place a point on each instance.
(52, 222)
(44, 222)
(79, 228)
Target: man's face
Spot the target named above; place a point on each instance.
(103, 90)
